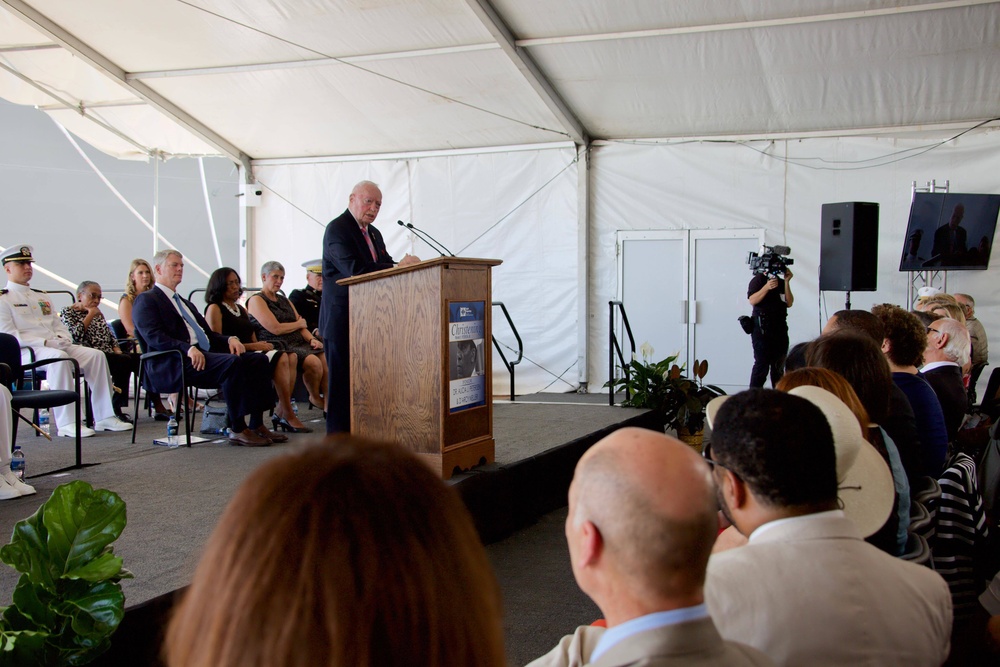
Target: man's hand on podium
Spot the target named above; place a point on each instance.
(409, 259)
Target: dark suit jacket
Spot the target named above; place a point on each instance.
(160, 327)
(942, 241)
(346, 254)
(946, 381)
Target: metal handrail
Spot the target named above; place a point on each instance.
(509, 365)
(614, 347)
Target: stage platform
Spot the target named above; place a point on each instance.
(175, 496)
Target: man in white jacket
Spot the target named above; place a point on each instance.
(31, 318)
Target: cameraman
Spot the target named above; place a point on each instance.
(771, 297)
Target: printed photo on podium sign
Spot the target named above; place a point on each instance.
(467, 384)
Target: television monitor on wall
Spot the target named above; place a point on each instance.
(949, 232)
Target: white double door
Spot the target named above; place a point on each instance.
(683, 292)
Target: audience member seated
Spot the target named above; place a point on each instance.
(990, 625)
(30, 317)
(166, 321)
(806, 589)
(307, 301)
(904, 345)
(275, 319)
(140, 279)
(865, 488)
(10, 486)
(346, 553)
(88, 327)
(945, 305)
(980, 341)
(947, 351)
(860, 361)
(227, 317)
(640, 526)
(925, 294)
(899, 422)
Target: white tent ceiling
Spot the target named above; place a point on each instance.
(258, 79)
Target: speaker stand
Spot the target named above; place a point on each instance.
(847, 305)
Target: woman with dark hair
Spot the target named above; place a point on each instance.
(275, 319)
(226, 316)
(859, 360)
(905, 342)
(347, 554)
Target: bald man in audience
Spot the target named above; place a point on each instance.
(641, 523)
(807, 590)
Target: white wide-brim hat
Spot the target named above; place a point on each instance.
(864, 481)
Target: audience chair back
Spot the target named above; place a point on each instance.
(147, 362)
(918, 550)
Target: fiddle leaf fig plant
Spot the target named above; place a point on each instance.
(68, 601)
(664, 387)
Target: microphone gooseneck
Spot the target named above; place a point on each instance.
(435, 245)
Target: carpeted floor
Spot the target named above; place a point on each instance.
(541, 600)
(175, 496)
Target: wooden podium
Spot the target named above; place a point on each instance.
(421, 360)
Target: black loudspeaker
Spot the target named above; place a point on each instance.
(848, 247)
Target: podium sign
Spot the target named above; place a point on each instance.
(421, 366)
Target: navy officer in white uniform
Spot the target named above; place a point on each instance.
(30, 316)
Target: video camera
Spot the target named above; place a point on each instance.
(772, 261)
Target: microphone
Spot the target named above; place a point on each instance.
(435, 245)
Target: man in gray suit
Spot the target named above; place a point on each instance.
(641, 523)
(806, 589)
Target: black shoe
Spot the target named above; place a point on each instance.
(161, 416)
(281, 424)
(124, 417)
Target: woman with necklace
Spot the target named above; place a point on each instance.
(275, 319)
(224, 315)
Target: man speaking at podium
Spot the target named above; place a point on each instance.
(351, 246)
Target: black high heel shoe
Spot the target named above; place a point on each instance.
(281, 424)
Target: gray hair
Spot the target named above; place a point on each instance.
(966, 297)
(959, 344)
(83, 286)
(271, 267)
(160, 258)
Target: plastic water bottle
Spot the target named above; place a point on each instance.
(43, 420)
(172, 440)
(295, 407)
(17, 462)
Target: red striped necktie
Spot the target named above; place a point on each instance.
(371, 246)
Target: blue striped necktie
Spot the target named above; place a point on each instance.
(199, 333)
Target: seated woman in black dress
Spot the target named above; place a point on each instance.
(275, 319)
(226, 316)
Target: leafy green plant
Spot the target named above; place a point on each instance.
(663, 387)
(68, 601)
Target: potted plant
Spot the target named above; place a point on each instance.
(664, 387)
(68, 600)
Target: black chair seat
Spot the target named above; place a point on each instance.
(32, 399)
